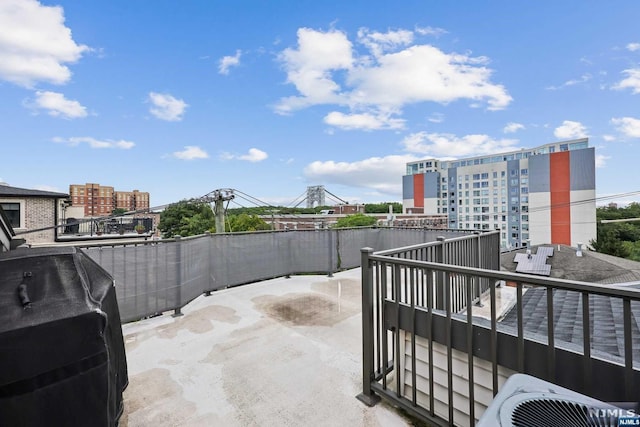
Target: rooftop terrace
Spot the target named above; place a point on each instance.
(278, 352)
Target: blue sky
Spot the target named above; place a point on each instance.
(182, 98)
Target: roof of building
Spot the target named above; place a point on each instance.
(606, 314)
(8, 191)
(591, 267)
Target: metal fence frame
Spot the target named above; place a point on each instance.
(399, 293)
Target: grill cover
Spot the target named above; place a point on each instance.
(62, 358)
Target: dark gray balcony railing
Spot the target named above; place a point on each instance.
(162, 275)
(411, 294)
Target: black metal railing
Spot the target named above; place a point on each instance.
(417, 340)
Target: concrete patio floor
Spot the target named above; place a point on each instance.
(282, 352)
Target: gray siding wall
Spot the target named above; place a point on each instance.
(407, 187)
(431, 184)
(539, 174)
(583, 169)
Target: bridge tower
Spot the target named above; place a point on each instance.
(315, 194)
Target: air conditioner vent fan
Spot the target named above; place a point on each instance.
(549, 412)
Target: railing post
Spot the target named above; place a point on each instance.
(330, 252)
(178, 311)
(480, 281)
(368, 397)
(439, 303)
(207, 291)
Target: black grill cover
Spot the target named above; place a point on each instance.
(62, 358)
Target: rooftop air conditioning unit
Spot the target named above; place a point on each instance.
(526, 401)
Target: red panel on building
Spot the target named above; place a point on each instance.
(559, 171)
(418, 190)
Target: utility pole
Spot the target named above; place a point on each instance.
(218, 197)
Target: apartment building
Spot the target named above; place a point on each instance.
(541, 195)
(100, 200)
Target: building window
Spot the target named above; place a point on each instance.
(12, 210)
(524, 171)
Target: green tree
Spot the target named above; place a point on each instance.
(118, 211)
(620, 239)
(608, 241)
(245, 222)
(186, 219)
(356, 220)
(382, 207)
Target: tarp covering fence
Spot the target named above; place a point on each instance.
(164, 275)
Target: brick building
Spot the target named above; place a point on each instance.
(100, 200)
(28, 209)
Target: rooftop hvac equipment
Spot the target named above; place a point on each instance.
(526, 401)
(62, 359)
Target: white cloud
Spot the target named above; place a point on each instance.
(229, 61)
(190, 152)
(254, 155)
(58, 106)
(363, 121)
(377, 173)
(309, 68)
(631, 82)
(166, 107)
(628, 126)
(436, 118)
(430, 31)
(609, 138)
(95, 143)
(570, 130)
(35, 45)
(601, 160)
(378, 43)
(442, 145)
(513, 127)
(633, 47)
(583, 79)
(326, 69)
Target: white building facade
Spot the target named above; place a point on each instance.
(541, 195)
